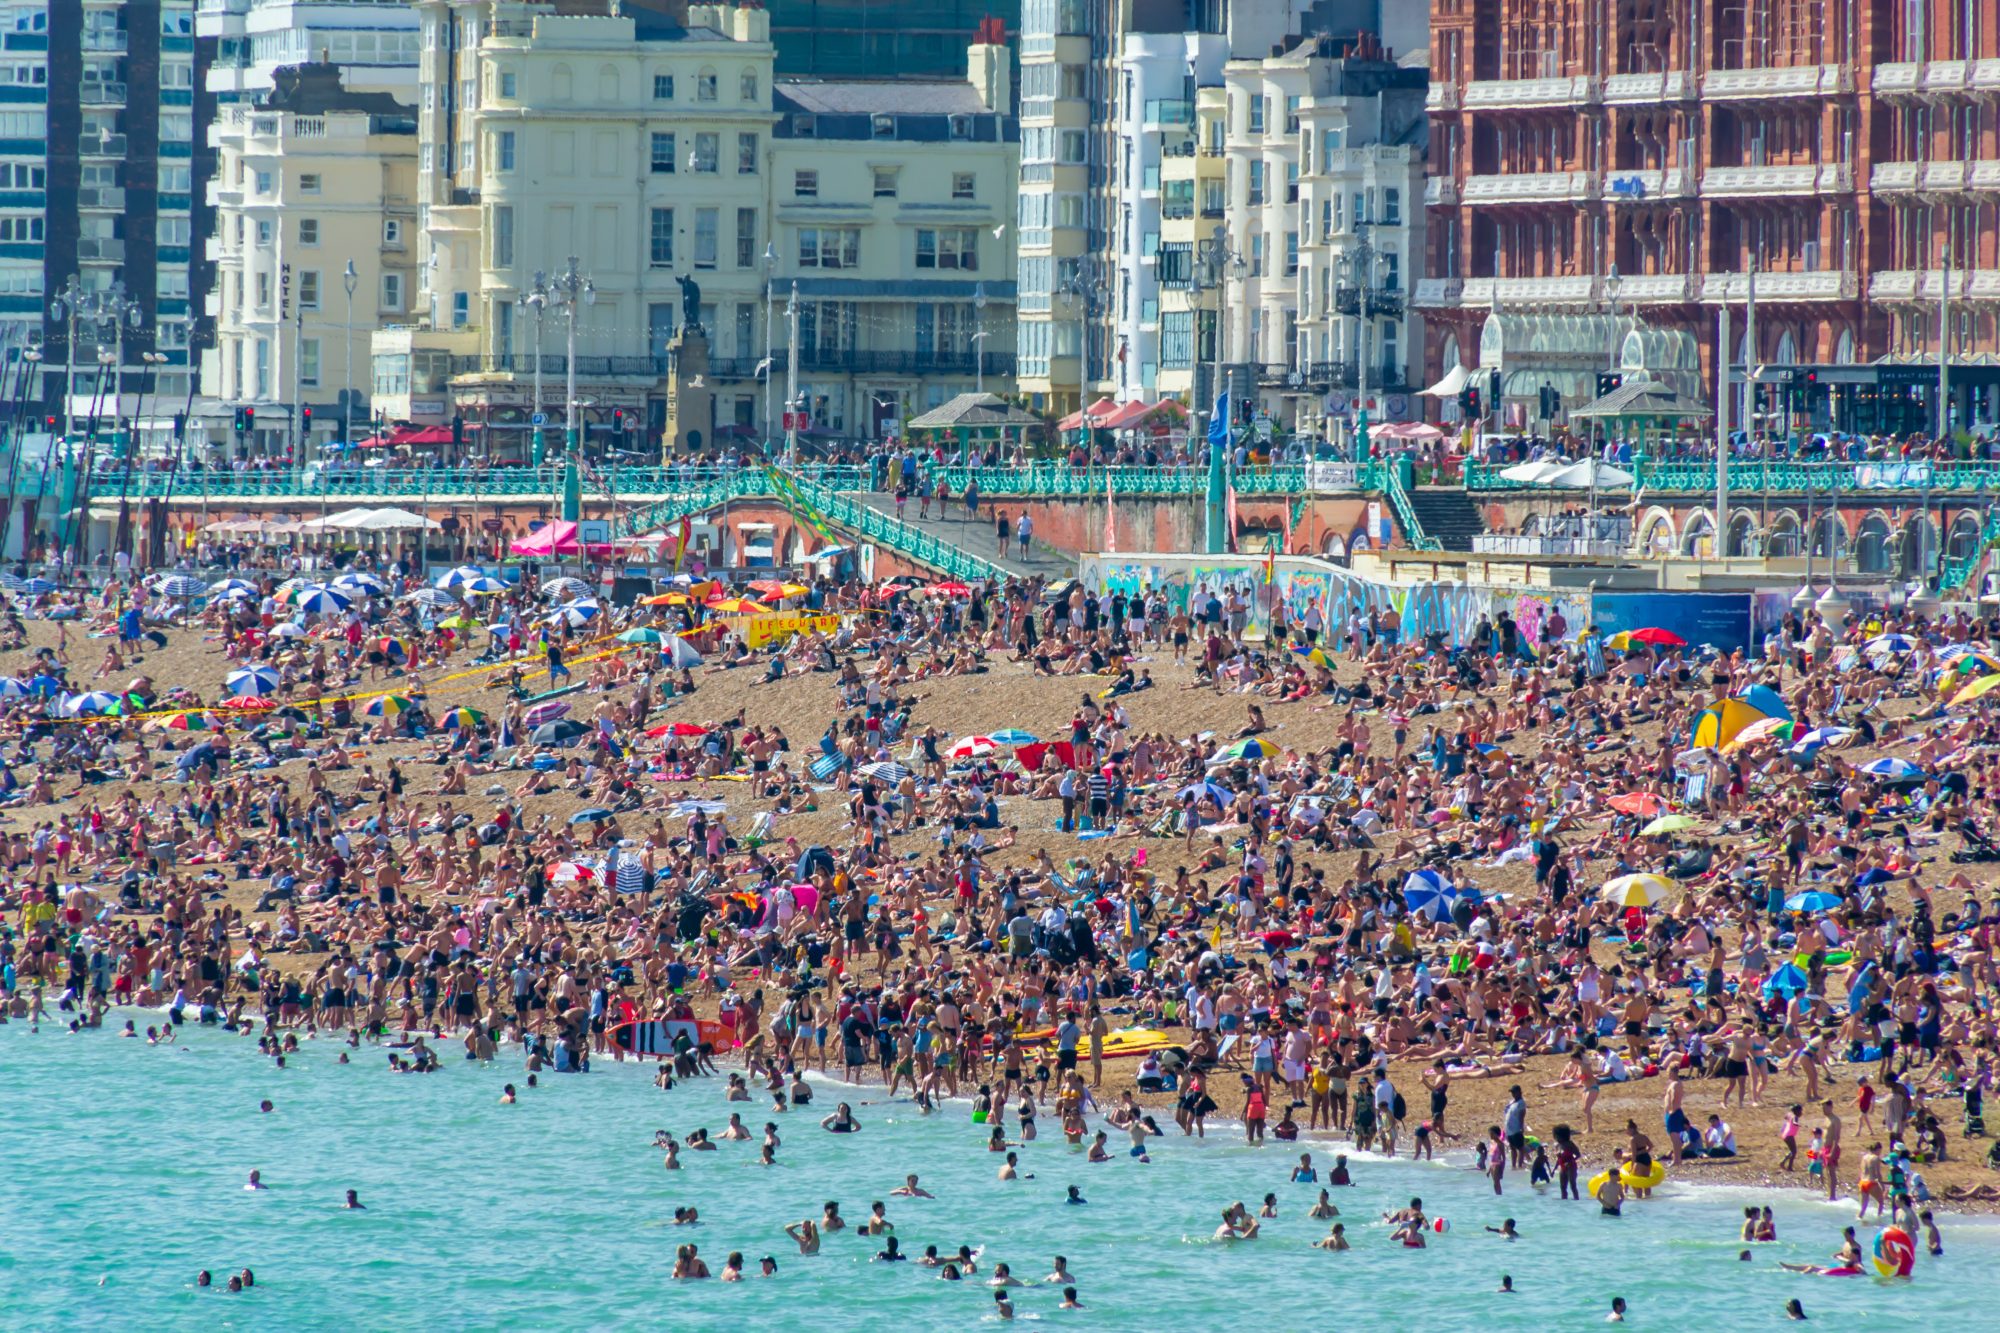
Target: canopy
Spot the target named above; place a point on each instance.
(1718, 724)
(383, 520)
(974, 409)
(1448, 387)
(553, 539)
(1128, 415)
(1406, 430)
(403, 435)
(1094, 415)
(1641, 398)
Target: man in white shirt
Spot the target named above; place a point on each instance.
(1719, 1140)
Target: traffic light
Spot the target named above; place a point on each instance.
(305, 420)
(618, 421)
(1607, 380)
(458, 428)
(180, 425)
(246, 420)
(50, 423)
(1468, 402)
(1551, 402)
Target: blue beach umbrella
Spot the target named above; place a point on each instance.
(95, 701)
(1894, 770)
(1787, 981)
(254, 680)
(1205, 791)
(1426, 894)
(1812, 900)
(1013, 736)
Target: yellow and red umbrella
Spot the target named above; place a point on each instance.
(735, 606)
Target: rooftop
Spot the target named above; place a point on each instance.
(880, 97)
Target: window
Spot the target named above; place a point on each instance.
(1075, 147)
(503, 151)
(663, 87)
(392, 291)
(704, 86)
(1291, 253)
(885, 182)
(948, 248)
(746, 237)
(392, 231)
(829, 247)
(308, 231)
(1392, 272)
(746, 85)
(1392, 206)
(805, 184)
(263, 182)
(263, 295)
(707, 147)
(22, 176)
(309, 289)
(959, 127)
(882, 127)
(461, 309)
(503, 236)
(704, 237)
(961, 185)
(308, 182)
(1258, 110)
(663, 154)
(746, 154)
(309, 363)
(1177, 340)
(507, 84)
(175, 231)
(20, 229)
(663, 238)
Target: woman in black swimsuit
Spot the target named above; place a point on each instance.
(841, 1121)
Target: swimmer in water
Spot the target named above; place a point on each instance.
(1003, 1276)
(354, 1203)
(909, 1189)
(841, 1121)
(806, 1235)
(256, 1181)
(1506, 1231)
(1617, 1315)
(1010, 1169)
(1069, 1300)
(891, 1252)
(735, 1130)
(878, 1223)
(1506, 1287)
(1002, 1305)
(507, 1097)
(1060, 1274)
(1324, 1208)
(1334, 1240)
(1303, 1173)
(830, 1219)
(1075, 1196)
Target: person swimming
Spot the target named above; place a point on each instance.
(841, 1120)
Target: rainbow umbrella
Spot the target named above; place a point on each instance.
(1316, 656)
(1764, 728)
(393, 649)
(1250, 747)
(189, 721)
(390, 705)
(1983, 685)
(464, 717)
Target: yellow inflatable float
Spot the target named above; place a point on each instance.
(1629, 1178)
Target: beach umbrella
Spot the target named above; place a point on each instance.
(180, 585)
(12, 688)
(1013, 736)
(1205, 791)
(36, 586)
(1983, 685)
(1786, 981)
(459, 622)
(247, 703)
(361, 581)
(1889, 645)
(194, 720)
(679, 729)
(392, 648)
(320, 600)
(1892, 770)
(642, 634)
(949, 588)
(464, 717)
(574, 614)
(1316, 656)
(1636, 890)
(680, 653)
(252, 680)
(666, 599)
(1658, 638)
(428, 597)
(1425, 893)
(288, 629)
(590, 814)
(547, 712)
(570, 872)
(1250, 747)
(236, 594)
(390, 705)
(1642, 803)
(1670, 824)
(883, 770)
(1812, 900)
(1764, 728)
(93, 701)
(563, 589)
(559, 732)
(777, 588)
(12, 582)
(1965, 659)
(730, 606)
(1820, 737)
(973, 747)
(480, 587)
(452, 578)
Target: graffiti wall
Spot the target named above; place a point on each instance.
(1341, 597)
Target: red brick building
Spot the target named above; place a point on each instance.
(1599, 165)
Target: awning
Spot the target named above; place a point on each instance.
(554, 539)
(1094, 415)
(1448, 387)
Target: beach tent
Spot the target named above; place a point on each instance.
(1718, 724)
(554, 539)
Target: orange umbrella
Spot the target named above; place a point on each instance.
(776, 588)
(734, 605)
(1642, 803)
(666, 599)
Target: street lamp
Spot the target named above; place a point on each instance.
(348, 279)
(66, 309)
(570, 289)
(770, 312)
(1082, 286)
(1215, 263)
(1359, 260)
(979, 337)
(536, 298)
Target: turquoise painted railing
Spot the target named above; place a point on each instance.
(1060, 480)
(1751, 476)
(747, 483)
(369, 483)
(1406, 513)
(1958, 572)
(903, 538)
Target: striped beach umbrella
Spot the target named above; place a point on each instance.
(252, 680)
(464, 717)
(319, 601)
(94, 701)
(389, 705)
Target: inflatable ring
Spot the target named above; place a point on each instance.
(1596, 1183)
(1895, 1253)
(1632, 1180)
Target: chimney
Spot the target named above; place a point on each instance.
(989, 68)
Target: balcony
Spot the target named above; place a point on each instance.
(104, 41)
(1525, 94)
(1382, 301)
(1894, 177)
(1769, 181)
(1672, 85)
(1824, 285)
(1638, 187)
(1440, 192)
(101, 145)
(1441, 97)
(1168, 111)
(1775, 81)
(1924, 286)
(1323, 375)
(101, 199)
(1472, 293)
(1173, 210)
(1935, 177)
(95, 92)
(850, 362)
(1532, 187)
(100, 250)
(1651, 289)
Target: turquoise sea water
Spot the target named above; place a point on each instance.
(125, 1167)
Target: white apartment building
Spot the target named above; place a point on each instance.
(375, 41)
(312, 179)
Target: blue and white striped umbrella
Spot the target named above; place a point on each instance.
(1883, 645)
(480, 587)
(180, 585)
(35, 587)
(574, 614)
(96, 701)
(1819, 738)
(255, 680)
(12, 582)
(463, 574)
(556, 589)
(232, 588)
(323, 600)
(1426, 894)
(1894, 770)
(428, 597)
(361, 581)
(12, 688)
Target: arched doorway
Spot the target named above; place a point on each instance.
(1744, 539)
(1871, 545)
(1829, 537)
(1964, 540)
(1920, 546)
(1334, 548)
(1783, 539)
(1657, 535)
(1698, 536)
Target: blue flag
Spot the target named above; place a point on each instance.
(1218, 422)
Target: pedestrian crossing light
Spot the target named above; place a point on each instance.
(1607, 380)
